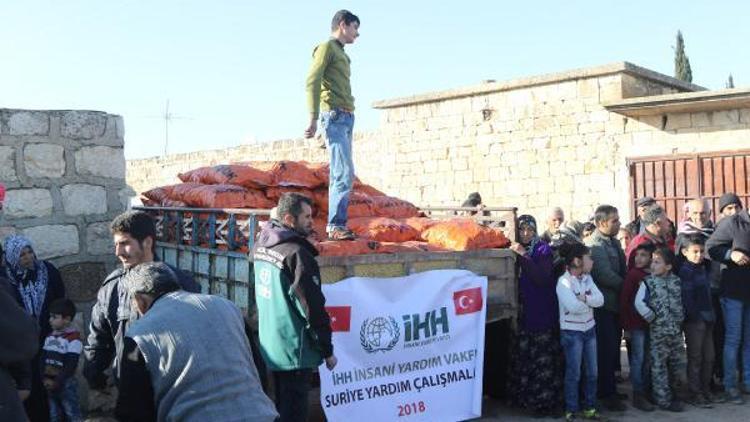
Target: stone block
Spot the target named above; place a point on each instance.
(83, 124)
(28, 123)
(8, 164)
(678, 121)
(99, 239)
(588, 88)
(23, 203)
(726, 117)
(81, 199)
(101, 161)
(82, 280)
(379, 270)
(701, 119)
(44, 160)
(51, 241)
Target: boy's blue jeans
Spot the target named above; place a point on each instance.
(637, 355)
(63, 404)
(736, 331)
(579, 346)
(338, 125)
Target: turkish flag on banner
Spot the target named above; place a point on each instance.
(341, 317)
(468, 300)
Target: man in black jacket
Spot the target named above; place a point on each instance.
(134, 235)
(730, 245)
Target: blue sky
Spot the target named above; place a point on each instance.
(236, 69)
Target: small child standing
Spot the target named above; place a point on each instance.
(699, 320)
(577, 296)
(59, 360)
(635, 325)
(659, 302)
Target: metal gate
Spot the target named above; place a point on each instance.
(674, 180)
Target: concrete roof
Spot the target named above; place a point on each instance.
(551, 78)
(685, 102)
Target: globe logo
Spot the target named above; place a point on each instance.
(379, 334)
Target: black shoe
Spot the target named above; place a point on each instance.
(699, 400)
(341, 234)
(614, 404)
(675, 406)
(640, 403)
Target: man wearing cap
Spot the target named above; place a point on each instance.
(730, 245)
(176, 365)
(655, 231)
(729, 204)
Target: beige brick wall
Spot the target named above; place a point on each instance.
(542, 144)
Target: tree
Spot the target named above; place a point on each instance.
(682, 68)
(730, 82)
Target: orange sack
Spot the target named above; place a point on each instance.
(229, 174)
(382, 229)
(295, 173)
(420, 224)
(220, 196)
(347, 247)
(464, 234)
(386, 206)
(274, 193)
(160, 193)
(367, 189)
(360, 204)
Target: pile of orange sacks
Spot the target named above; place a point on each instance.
(382, 223)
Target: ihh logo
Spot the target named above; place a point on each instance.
(416, 327)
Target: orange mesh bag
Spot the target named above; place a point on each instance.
(347, 247)
(220, 196)
(420, 224)
(386, 206)
(173, 203)
(360, 204)
(295, 173)
(159, 194)
(274, 193)
(229, 174)
(463, 235)
(382, 229)
(369, 190)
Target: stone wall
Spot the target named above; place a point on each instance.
(531, 143)
(65, 177)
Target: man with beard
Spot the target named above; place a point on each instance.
(134, 235)
(294, 328)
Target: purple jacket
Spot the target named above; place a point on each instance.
(537, 290)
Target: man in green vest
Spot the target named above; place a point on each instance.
(329, 97)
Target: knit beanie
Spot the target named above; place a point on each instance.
(728, 199)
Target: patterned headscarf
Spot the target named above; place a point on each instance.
(31, 284)
(527, 220)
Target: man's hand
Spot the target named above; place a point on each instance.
(311, 129)
(518, 248)
(24, 394)
(331, 362)
(739, 258)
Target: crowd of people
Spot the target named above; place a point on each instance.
(676, 294)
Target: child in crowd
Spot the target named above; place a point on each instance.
(659, 302)
(588, 229)
(577, 297)
(59, 359)
(699, 320)
(635, 326)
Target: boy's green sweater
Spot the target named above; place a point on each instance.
(328, 85)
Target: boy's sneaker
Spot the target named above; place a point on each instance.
(592, 415)
(675, 406)
(698, 400)
(570, 416)
(733, 396)
(341, 234)
(640, 403)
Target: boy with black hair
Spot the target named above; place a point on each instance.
(635, 326)
(59, 361)
(659, 302)
(699, 320)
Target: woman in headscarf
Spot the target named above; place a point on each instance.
(36, 284)
(537, 368)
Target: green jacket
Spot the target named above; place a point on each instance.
(328, 85)
(294, 328)
(609, 268)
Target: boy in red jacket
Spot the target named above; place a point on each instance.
(634, 324)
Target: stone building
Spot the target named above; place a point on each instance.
(65, 177)
(574, 139)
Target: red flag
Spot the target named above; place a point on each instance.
(341, 317)
(468, 300)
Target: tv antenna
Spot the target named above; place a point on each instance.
(168, 117)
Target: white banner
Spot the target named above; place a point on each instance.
(408, 348)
